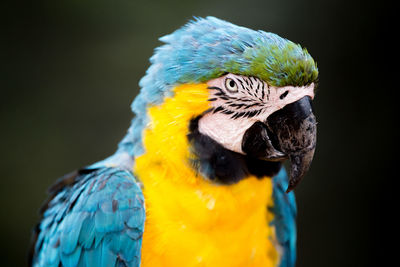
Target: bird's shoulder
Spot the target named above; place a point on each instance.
(93, 217)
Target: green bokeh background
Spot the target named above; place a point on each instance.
(70, 69)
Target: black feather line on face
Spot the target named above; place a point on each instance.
(257, 88)
(244, 99)
(262, 91)
(214, 88)
(218, 109)
(251, 81)
(241, 82)
(236, 114)
(251, 105)
(222, 165)
(247, 82)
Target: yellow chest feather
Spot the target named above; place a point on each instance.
(191, 221)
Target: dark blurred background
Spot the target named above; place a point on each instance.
(70, 69)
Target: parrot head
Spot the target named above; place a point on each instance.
(260, 88)
(265, 122)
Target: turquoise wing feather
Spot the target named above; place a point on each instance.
(95, 217)
(285, 211)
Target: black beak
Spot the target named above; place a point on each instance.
(290, 132)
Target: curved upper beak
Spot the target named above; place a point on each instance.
(290, 132)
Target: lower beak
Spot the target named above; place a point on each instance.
(290, 132)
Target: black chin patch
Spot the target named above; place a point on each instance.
(222, 165)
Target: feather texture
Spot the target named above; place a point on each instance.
(284, 212)
(95, 220)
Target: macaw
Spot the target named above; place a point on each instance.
(198, 179)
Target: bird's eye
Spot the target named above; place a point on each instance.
(231, 85)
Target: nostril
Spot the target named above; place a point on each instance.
(282, 96)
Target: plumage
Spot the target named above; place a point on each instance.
(284, 210)
(83, 227)
(177, 192)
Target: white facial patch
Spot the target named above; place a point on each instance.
(239, 101)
